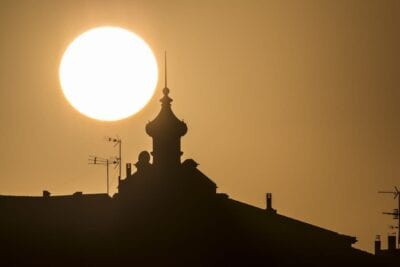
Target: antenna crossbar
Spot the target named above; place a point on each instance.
(94, 160)
(396, 212)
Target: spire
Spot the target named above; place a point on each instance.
(166, 100)
(166, 130)
(165, 68)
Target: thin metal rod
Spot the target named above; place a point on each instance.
(165, 68)
(105, 162)
(108, 190)
(120, 159)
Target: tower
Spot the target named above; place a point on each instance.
(166, 130)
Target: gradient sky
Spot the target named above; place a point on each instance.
(297, 98)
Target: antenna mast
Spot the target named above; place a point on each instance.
(105, 162)
(396, 212)
(117, 142)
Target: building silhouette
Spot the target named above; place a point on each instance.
(166, 213)
(390, 255)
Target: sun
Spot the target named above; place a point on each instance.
(108, 73)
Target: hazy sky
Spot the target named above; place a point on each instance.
(297, 98)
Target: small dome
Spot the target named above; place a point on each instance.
(144, 157)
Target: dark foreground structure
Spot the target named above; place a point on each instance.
(167, 213)
(389, 256)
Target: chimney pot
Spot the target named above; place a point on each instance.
(46, 194)
(391, 242)
(377, 244)
(269, 203)
(128, 169)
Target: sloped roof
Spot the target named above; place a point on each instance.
(285, 223)
(190, 166)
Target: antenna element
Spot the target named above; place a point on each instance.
(396, 212)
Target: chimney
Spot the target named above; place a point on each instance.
(128, 170)
(378, 245)
(46, 194)
(269, 203)
(77, 194)
(391, 242)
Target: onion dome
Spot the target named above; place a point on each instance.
(143, 160)
(166, 123)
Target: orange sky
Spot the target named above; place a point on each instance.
(297, 98)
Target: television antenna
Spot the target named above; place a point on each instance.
(95, 160)
(396, 212)
(117, 142)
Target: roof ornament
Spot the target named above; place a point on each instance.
(166, 89)
(165, 68)
(166, 100)
(166, 122)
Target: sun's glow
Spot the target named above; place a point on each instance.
(108, 73)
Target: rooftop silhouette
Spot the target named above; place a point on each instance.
(166, 212)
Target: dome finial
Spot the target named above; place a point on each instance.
(165, 91)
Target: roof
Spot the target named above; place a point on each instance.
(286, 224)
(166, 123)
(75, 196)
(190, 167)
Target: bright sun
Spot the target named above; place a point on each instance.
(108, 73)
